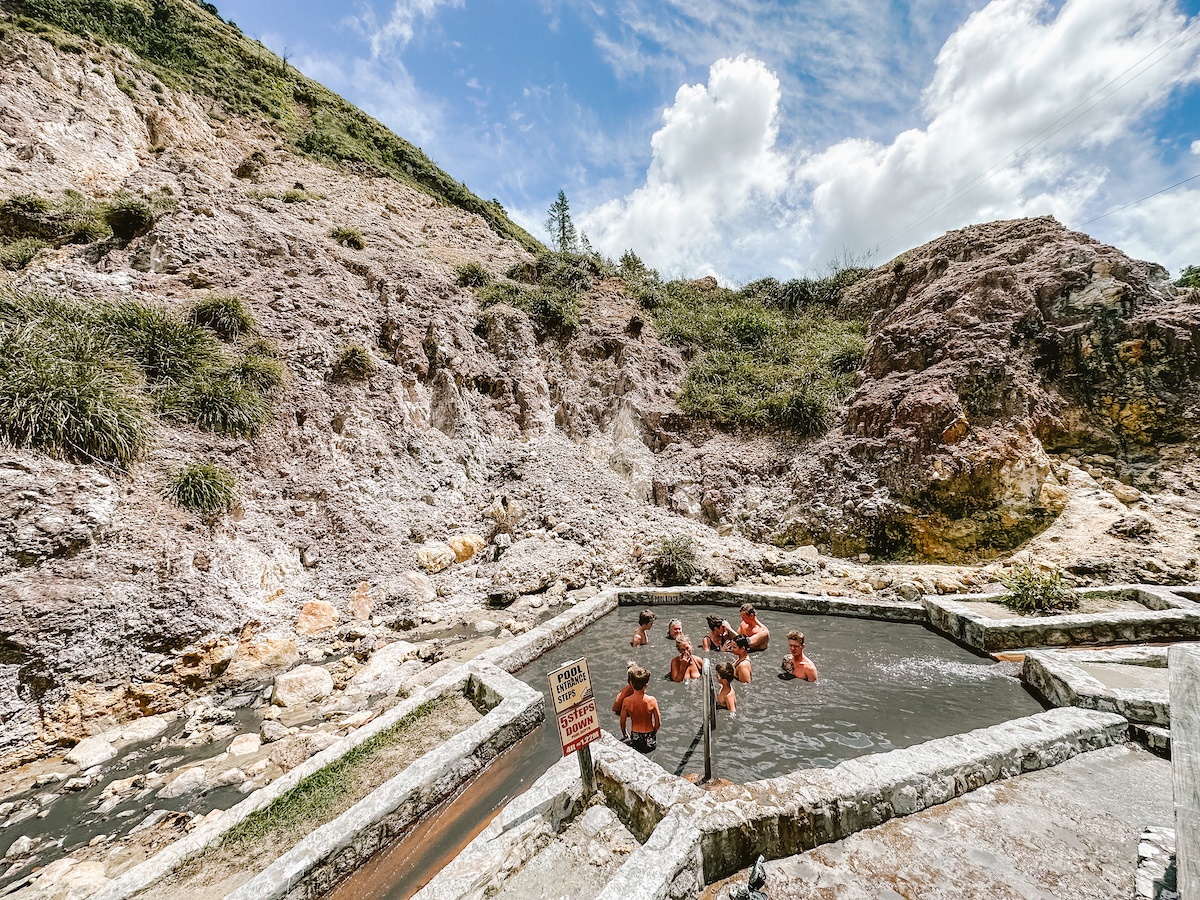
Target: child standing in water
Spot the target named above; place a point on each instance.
(684, 667)
(640, 711)
(645, 623)
(725, 696)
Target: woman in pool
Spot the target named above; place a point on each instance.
(719, 631)
(684, 667)
(725, 696)
(740, 648)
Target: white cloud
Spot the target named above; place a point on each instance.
(1196, 148)
(400, 27)
(1002, 81)
(714, 156)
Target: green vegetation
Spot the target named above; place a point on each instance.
(1031, 590)
(1189, 277)
(202, 487)
(75, 219)
(187, 47)
(20, 253)
(674, 560)
(309, 800)
(354, 363)
(473, 275)
(83, 378)
(228, 316)
(560, 226)
(757, 357)
(348, 236)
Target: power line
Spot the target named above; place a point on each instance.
(1033, 142)
(1136, 202)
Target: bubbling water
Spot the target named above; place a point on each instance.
(883, 685)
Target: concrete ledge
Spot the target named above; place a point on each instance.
(512, 837)
(667, 867)
(1155, 875)
(329, 853)
(1162, 616)
(788, 815)
(899, 611)
(637, 789)
(521, 651)
(1055, 674)
(459, 680)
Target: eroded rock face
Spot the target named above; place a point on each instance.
(988, 346)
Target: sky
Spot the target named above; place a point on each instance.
(747, 138)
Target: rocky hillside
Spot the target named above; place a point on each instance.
(420, 463)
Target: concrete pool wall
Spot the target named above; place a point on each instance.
(336, 847)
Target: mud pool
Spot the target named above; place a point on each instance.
(883, 685)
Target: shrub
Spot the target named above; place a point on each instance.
(354, 363)
(226, 315)
(349, 237)
(1030, 590)
(674, 560)
(262, 373)
(64, 389)
(202, 487)
(631, 265)
(472, 275)
(20, 253)
(220, 403)
(1189, 277)
(554, 311)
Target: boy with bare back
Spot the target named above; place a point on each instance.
(796, 664)
(640, 711)
(753, 629)
(645, 623)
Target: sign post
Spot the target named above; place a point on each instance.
(575, 709)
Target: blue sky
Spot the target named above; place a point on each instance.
(745, 138)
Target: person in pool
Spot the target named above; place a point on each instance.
(719, 631)
(674, 629)
(640, 712)
(725, 696)
(753, 629)
(796, 664)
(645, 622)
(740, 648)
(627, 690)
(684, 667)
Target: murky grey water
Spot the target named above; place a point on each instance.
(883, 685)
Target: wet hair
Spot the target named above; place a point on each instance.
(796, 636)
(639, 678)
(682, 639)
(742, 641)
(748, 609)
(673, 623)
(646, 617)
(713, 622)
(725, 670)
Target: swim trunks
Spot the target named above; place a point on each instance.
(643, 741)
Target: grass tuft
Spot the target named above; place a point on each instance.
(228, 316)
(349, 236)
(218, 402)
(20, 253)
(202, 487)
(1031, 590)
(674, 560)
(354, 363)
(472, 275)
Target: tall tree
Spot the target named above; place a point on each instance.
(560, 226)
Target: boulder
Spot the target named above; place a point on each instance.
(361, 604)
(91, 752)
(189, 781)
(465, 545)
(316, 616)
(384, 672)
(436, 557)
(1126, 493)
(146, 728)
(301, 685)
(22, 846)
(270, 731)
(421, 585)
(245, 744)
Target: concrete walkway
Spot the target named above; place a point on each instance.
(1065, 833)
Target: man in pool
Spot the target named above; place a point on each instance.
(645, 623)
(640, 711)
(753, 629)
(796, 664)
(718, 633)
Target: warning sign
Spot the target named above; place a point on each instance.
(578, 726)
(574, 705)
(570, 685)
